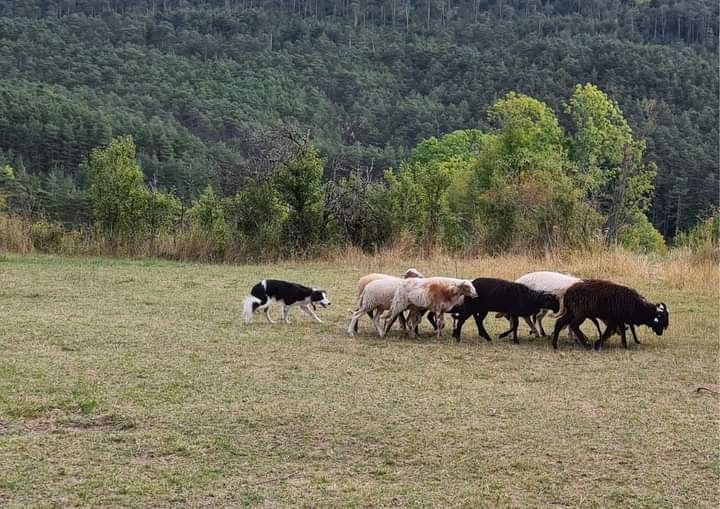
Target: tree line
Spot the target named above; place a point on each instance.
(526, 184)
(198, 84)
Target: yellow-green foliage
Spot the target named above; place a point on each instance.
(640, 236)
(703, 239)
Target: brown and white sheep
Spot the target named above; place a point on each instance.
(437, 295)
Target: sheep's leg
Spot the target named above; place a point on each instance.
(419, 315)
(412, 322)
(531, 325)
(479, 317)
(514, 322)
(597, 326)
(503, 334)
(390, 322)
(560, 324)
(608, 332)
(579, 336)
(509, 319)
(369, 313)
(431, 318)
(632, 329)
(395, 310)
(403, 321)
(538, 322)
(440, 324)
(623, 338)
(352, 328)
(458, 325)
(376, 323)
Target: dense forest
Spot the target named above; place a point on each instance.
(204, 86)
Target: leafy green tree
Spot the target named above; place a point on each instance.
(609, 159)
(208, 214)
(529, 134)
(162, 212)
(64, 200)
(299, 182)
(257, 216)
(639, 235)
(119, 195)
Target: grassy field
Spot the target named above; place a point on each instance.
(135, 383)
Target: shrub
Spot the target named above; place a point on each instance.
(207, 217)
(257, 216)
(118, 192)
(640, 236)
(704, 239)
(299, 183)
(47, 237)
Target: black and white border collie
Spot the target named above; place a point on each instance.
(287, 294)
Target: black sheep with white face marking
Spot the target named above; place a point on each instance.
(618, 306)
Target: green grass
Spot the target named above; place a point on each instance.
(135, 383)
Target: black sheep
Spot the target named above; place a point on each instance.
(618, 306)
(512, 299)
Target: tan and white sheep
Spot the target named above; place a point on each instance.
(376, 297)
(367, 279)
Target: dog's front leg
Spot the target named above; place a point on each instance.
(267, 315)
(286, 313)
(310, 313)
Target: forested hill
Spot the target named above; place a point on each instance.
(196, 81)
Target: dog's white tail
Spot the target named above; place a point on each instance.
(248, 307)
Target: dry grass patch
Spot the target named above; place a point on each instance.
(136, 383)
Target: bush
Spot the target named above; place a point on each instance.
(300, 185)
(47, 237)
(640, 236)
(118, 192)
(257, 217)
(704, 239)
(537, 212)
(207, 217)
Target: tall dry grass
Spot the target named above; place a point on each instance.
(681, 268)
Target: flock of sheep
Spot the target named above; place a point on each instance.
(530, 297)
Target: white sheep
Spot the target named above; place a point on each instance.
(376, 297)
(367, 279)
(363, 281)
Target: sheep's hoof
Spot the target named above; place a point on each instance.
(597, 345)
